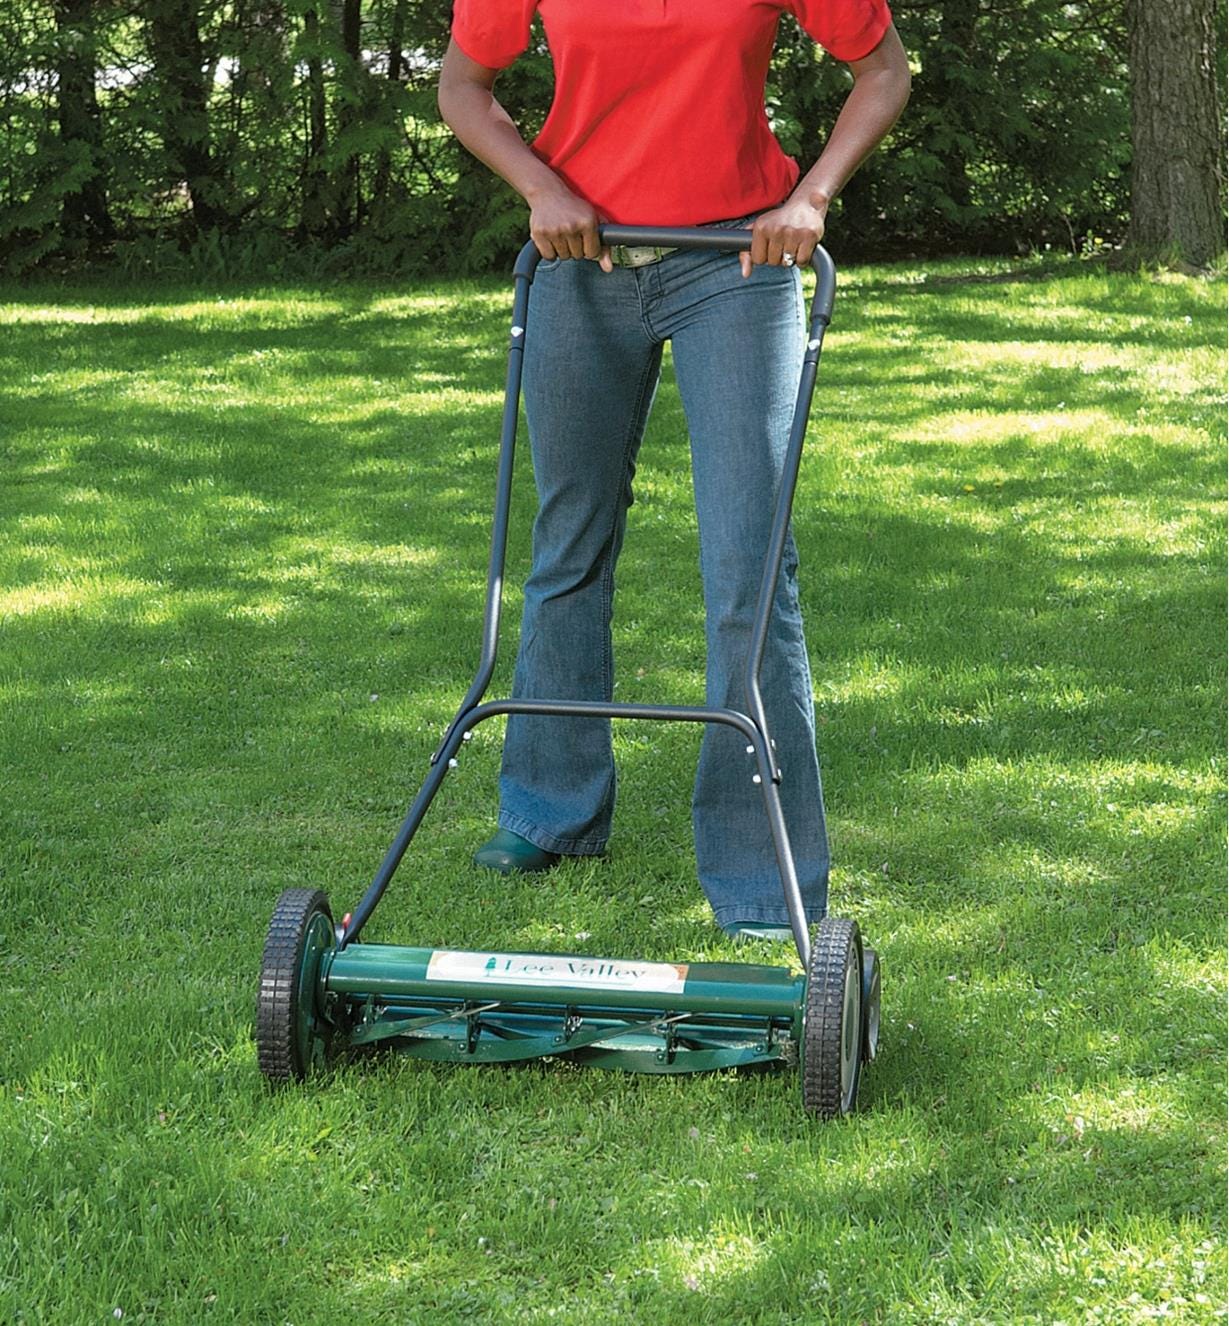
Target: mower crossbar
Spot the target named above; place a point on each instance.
(396, 973)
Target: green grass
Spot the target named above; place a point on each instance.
(242, 544)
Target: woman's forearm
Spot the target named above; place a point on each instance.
(481, 123)
(879, 94)
(560, 224)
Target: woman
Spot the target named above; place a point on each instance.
(658, 119)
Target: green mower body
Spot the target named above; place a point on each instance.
(320, 1002)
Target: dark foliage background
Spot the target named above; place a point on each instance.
(279, 136)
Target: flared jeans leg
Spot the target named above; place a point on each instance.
(591, 371)
(738, 357)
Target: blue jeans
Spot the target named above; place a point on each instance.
(593, 352)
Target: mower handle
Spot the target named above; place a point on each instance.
(722, 240)
(753, 725)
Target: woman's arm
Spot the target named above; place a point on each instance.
(880, 91)
(560, 224)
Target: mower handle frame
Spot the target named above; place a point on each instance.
(752, 725)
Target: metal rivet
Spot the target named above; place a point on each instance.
(467, 736)
(755, 778)
(520, 331)
(813, 345)
(750, 750)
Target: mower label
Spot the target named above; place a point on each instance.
(548, 969)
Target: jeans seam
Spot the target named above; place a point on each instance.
(617, 514)
(645, 324)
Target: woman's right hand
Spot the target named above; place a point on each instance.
(565, 226)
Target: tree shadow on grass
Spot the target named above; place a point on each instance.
(253, 500)
(267, 612)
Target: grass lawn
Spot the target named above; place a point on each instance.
(242, 548)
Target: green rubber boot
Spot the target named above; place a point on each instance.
(510, 854)
(777, 934)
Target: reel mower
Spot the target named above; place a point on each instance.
(324, 993)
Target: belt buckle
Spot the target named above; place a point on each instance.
(630, 255)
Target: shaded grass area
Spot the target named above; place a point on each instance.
(242, 547)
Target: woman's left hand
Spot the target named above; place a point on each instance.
(790, 231)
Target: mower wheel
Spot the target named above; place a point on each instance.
(292, 1038)
(832, 1031)
(870, 1005)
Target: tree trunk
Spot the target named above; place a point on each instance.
(179, 60)
(349, 117)
(1177, 176)
(85, 221)
(396, 59)
(317, 213)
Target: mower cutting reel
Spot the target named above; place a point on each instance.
(323, 992)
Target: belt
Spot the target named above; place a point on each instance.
(629, 255)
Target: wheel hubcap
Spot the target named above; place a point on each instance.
(851, 1033)
(870, 1014)
(309, 1040)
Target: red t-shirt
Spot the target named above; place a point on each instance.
(658, 115)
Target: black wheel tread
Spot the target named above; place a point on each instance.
(825, 997)
(276, 1013)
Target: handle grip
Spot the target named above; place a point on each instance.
(701, 237)
(677, 237)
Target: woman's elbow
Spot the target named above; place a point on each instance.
(444, 102)
(460, 80)
(888, 66)
(447, 92)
